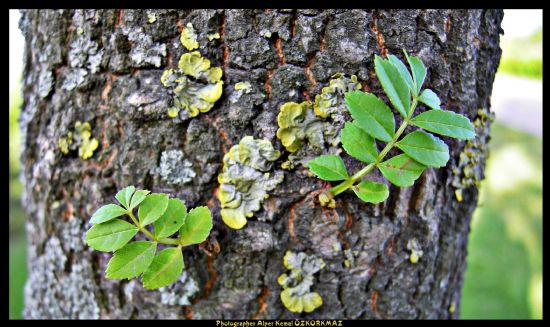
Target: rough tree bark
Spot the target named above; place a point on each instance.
(104, 67)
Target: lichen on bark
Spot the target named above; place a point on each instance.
(104, 67)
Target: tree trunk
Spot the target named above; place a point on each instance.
(104, 67)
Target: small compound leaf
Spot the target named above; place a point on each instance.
(138, 197)
(429, 98)
(131, 260)
(371, 192)
(328, 167)
(446, 123)
(123, 196)
(197, 226)
(425, 148)
(106, 213)
(401, 170)
(152, 207)
(371, 114)
(111, 235)
(172, 219)
(395, 87)
(164, 270)
(358, 143)
(418, 71)
(403, 71)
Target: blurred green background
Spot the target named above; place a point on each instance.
(504, 274)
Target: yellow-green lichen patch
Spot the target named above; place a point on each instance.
(188, 37)
(468, 171)
(64, 142)
(173, 112)
(213, 36)
(452, 307)
(245, 179)
(245, 86)
(196, 86)
(298, 123)
(81, 139)
(151, 18)
(297, 295)
(416, 250)
(331, 99)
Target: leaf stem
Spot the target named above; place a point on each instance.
(329, 194)
(171, 241)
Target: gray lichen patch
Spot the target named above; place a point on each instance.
(144, 51)
(181, 292)
(245, 180)
(297, 295)
(174, 169)
(53, 293)
(45, 83)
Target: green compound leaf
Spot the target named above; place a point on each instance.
(138, 197)
(131, 260)
(425, 148)
(395, 87)
(111, 235)
(401, 170)
(371, 114)
(152, 207)
(164, 270)
(418, 71)
(445, 123)
(370, 191)
(429, 98)
(403, 72)
(106, 213)
(197, 226)
(358, 143)
(172, 219)
(123, 196)
(328, 167)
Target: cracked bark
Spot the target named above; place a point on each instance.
(86, 64)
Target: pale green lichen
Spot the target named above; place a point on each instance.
(173, 112)
(81, 139)
(297, 295)
(151, 18)
(188, 37)
(64, 142)
(331, 99)
(245, 180)
(245, 86)
(297, 123)
(213, 36)
(468, 172)
(452, 307)
(317, 124)
(416, 250)
(265, 33)
(196, 86)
